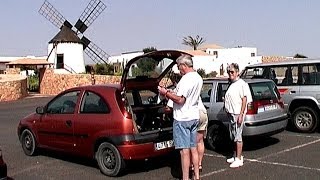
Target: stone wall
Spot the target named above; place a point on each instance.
(52, 84)
(13, 87)
(12, 71)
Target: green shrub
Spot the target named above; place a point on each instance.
(33, 82)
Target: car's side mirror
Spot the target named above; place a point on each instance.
(40, 110)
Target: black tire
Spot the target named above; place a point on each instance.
(109, 159)
(28, 142)
(217, 137)
(305, 119)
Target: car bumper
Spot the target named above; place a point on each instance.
(266, 127)
(142, 151)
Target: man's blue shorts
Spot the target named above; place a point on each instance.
(185, 134)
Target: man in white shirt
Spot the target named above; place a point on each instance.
(186, 114)
(237, 97)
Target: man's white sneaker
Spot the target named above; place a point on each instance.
(232, 159)
(237, 163)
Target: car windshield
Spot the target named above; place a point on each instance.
(148, 67)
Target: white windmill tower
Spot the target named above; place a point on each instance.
(65, 50)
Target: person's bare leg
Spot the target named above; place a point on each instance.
(185, 163)
(195, 162)
(239, 149)
(200, 146)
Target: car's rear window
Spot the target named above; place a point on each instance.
(264, 91)
(147, 67)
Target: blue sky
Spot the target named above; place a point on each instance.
(275, 27)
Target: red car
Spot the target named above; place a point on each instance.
(111, 123)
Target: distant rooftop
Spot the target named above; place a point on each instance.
(209, 46)
(196, 52)
(29, 61)
(9, 59)
(266, 59)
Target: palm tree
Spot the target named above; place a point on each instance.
(149, 49)
(193, 42)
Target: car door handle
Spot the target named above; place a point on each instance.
(68, 123)
(292, 92)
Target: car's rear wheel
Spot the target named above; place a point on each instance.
(28, 142)
(109, 159)
(217, 137)
(305, 119)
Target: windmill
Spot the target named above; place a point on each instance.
(70, 43)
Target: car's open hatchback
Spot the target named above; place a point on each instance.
(141, 77)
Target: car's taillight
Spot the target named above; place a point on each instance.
(252, 108)
(281, 103)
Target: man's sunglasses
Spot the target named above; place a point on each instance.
(230, 72)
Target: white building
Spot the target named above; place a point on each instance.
(211, 58)
(217, 57)
(123, 58)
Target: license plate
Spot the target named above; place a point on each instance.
(163, 145)
(270, 107)
(267, 108)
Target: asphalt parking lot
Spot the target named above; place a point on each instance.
(287, 155)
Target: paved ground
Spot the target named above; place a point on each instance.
(287, 155)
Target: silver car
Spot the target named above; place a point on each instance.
(265, 115)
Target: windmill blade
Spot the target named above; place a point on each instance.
(92, 11)
(94, 52)
(51, 14)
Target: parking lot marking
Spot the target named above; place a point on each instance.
(258, 160)
(212, 155)
(290, 149)
(274, 154)
(300, 135)
(283, 164)
(213, 172)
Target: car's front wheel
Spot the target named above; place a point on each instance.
(109, 159)
(305, 119)
(28, 142)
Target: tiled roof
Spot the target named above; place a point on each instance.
(29, 61)
(196, 52)
(266, 59)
